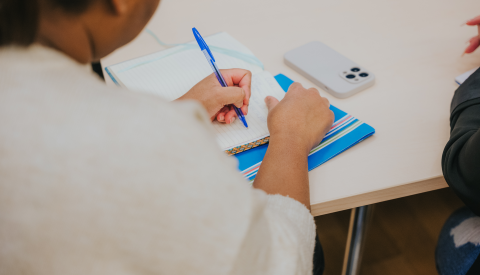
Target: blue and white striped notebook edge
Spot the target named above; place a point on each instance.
(345, 133)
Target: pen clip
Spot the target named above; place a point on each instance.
(201, 43)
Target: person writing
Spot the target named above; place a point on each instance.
(458, 247)
(98, 180)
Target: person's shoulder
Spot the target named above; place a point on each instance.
(183, 117)
(46, 89)
(468, 91)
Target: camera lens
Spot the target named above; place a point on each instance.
(350, 76)
(355, 70)
(363, 74)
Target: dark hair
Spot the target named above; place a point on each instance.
(19, 18)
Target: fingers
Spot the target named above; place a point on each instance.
(474, 21)
(241, 78)
(271, 102)
(226, 115)
(296, 90)
(244, 109)
(295, 87)
(227, 96)
(326, 101)
(474, 43)
(221, 114)
(230, 116)
(230, 95)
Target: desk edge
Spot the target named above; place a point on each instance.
(378, 196)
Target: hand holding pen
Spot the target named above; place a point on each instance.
(217, 100)
(211, 60)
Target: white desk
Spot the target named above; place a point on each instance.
(413, 46)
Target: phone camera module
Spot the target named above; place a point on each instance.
(354, 75)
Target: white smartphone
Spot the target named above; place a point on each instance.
(329, 70)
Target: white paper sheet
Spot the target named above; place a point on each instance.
(235, 134)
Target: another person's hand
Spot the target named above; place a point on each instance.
(215, 98)
(474, 41)
(302, 118)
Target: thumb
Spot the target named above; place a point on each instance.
(231, 95)
(271, 102)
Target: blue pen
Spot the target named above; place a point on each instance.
(208, 54)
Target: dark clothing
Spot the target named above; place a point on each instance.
(461, 157)
(451, 259)
(97, 68)
(318, 258)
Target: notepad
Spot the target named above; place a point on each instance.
(173, 72)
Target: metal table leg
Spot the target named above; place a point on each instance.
(355, 242)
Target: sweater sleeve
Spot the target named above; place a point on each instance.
(112, 182)
(461, 157)
(96, 180)
(280, 240)
(287, 211)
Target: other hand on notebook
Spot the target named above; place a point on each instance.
(215, 98)
(302, 118)
(474, 42)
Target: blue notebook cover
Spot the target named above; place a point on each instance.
(345, 132)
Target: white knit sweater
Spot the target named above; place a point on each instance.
(97, 180)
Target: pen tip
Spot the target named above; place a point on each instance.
(245, 123)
